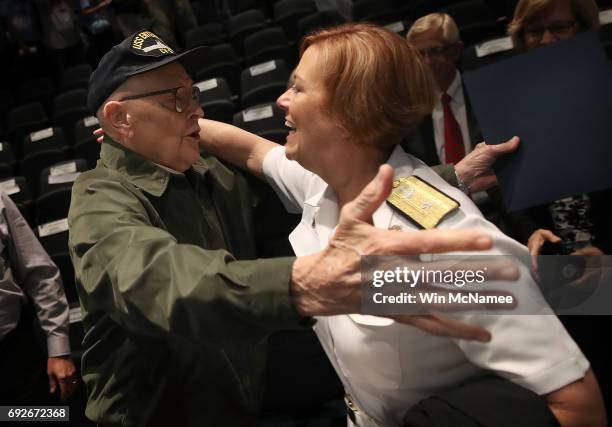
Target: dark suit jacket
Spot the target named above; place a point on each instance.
(422, 143)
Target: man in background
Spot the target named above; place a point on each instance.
(30, 281)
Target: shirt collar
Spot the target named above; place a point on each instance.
(454, 90)
(169, 170)
(144, 174)
(403, 165)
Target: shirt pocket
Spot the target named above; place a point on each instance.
(367, 353)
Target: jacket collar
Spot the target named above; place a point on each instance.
(140, 172)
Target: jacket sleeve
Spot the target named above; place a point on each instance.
(447, 173)
(128, 267)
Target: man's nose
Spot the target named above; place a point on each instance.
(428, 59)
(196, 110)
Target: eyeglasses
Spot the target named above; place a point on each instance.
(183, 97)
(560, 28)
(434, 52)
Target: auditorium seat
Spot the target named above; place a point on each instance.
(288, 12)
(38, 89)
(216, 100)
(269, 44)
(238, 6)
(509, 6)
(60, 175)
(6, 103)
(43, 140)
(83, 129)
(415, 9)
(263, 82)
(399, 27)
(85, 145)
(204, 35)
(22, 121)
(318, 20)
(243, 24)
(475, 20)
(486, 53)
(68, 108)
(379, 11)
(76, 77)
(88, 150)
(17, 189)
(7, 160)
(53, 236)
(221, 61)
(266, 120)
(31, 165)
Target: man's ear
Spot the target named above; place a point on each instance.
(118, 119)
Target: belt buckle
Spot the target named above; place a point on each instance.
(351, 409)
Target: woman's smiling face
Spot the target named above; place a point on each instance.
(305, 103)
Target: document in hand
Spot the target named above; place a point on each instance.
(558, 100)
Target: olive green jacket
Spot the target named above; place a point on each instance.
(175, 326)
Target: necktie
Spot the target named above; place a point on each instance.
(453, 140)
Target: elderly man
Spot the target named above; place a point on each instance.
(175, 324)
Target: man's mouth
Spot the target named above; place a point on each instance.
(194, 134)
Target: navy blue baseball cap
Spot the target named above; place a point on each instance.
(137, 54)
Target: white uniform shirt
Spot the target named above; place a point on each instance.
(457, 104)
(387, 367)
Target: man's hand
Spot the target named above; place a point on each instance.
(535, 243)
(61, 370)
(537, 240)
(328, 282)
(475, 169)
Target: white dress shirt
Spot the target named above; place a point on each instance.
(387, 367)
(457, 104)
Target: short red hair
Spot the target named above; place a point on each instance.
(377, 85)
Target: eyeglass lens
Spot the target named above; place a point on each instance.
(186, 96)
(557, 28)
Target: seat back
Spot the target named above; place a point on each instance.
(266, 120)
(204, 35)
(263, 83)
(318, 20)
(44, 139)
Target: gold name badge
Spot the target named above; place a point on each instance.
(421, 202)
